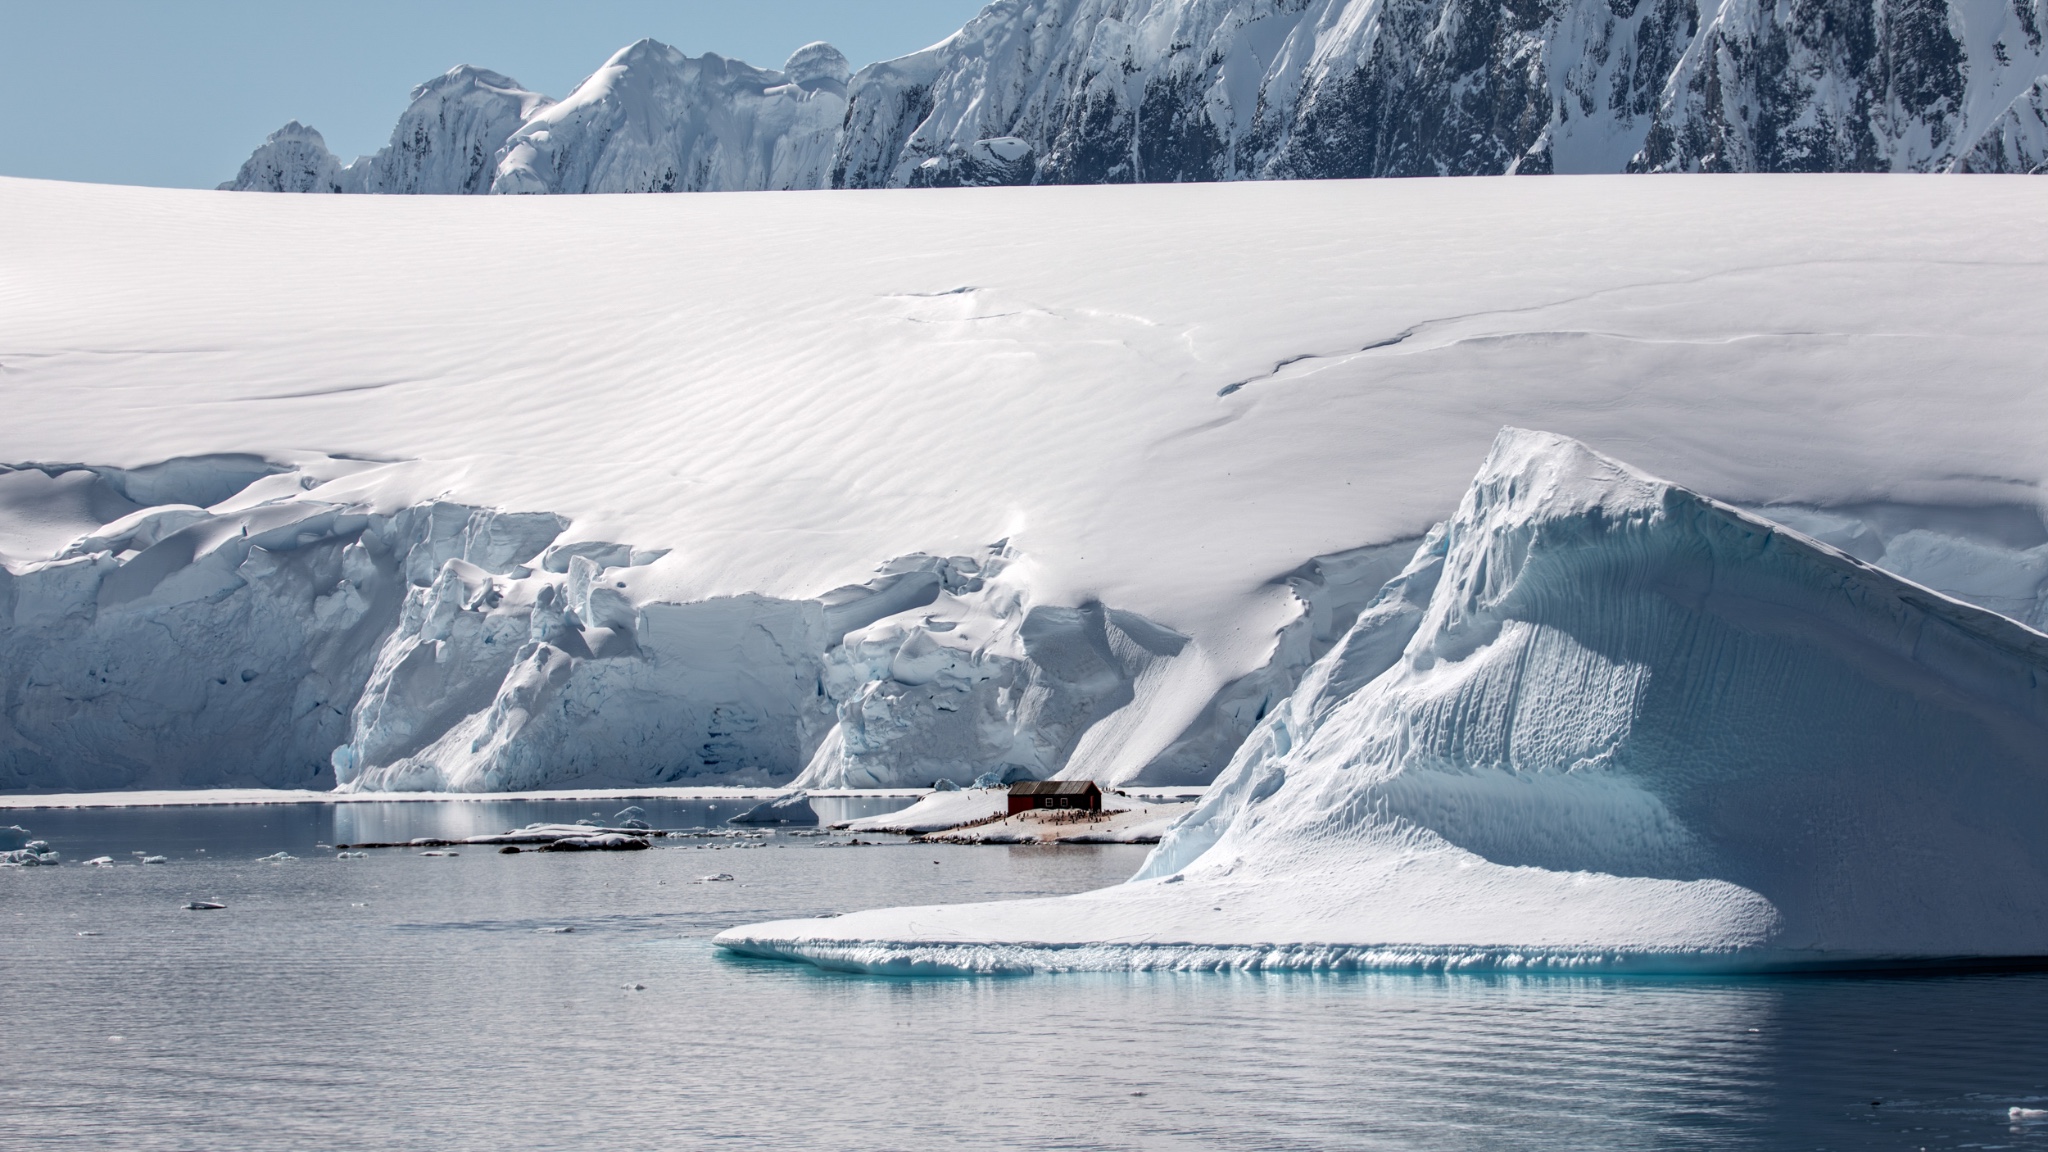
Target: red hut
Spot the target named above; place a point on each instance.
(1081, 795)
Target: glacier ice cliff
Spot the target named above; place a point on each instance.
(1164, 91)
(218, 621)
(215, 621)
(1598, 721)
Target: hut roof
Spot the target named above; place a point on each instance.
(1053, 788)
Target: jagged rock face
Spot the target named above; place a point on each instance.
(655, 120)
(292, 159)
(2018, 140)
(450, 138)
(1175, 90)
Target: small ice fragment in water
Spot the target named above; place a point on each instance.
(629, 812)
(634, 987)
(276, 858)
(553, 931)
(100, 862)
(2026, 1114)
(88, 933)
(116, 1039)
(31, 854)
(714, 878)
(13, 837)
(351, 855)
(438, 852)
(156, 860)
(203, 906)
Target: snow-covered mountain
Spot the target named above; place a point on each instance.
(650, 120)
(1165, 91)
(655, 120)
(449, 138)
(447, 142)
(292, 159)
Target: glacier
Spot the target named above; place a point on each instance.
(858, 489)
(1169, 91)
(1599, 721)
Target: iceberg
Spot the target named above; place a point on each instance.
(1600, 721)
(794, 808)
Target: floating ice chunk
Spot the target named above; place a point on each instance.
(2017, 1113)
(634, 987)
(203, 906)
(276, 858)
(439, 852)
(557, 931)
(629, 812)
(351, 855)
(13, 838)
(715, 878)
(100, 862)
(603, 842)
(794, 808)
(156, 860)
(29, 855)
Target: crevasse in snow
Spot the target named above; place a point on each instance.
(1599, 721)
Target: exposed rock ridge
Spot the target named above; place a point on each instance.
(1123, 91)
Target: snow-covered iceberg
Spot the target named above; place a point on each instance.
(1600, 721)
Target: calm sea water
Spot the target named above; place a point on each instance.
(574, 1001)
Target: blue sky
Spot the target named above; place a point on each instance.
(177, 92)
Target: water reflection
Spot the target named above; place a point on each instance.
(403, 1001)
